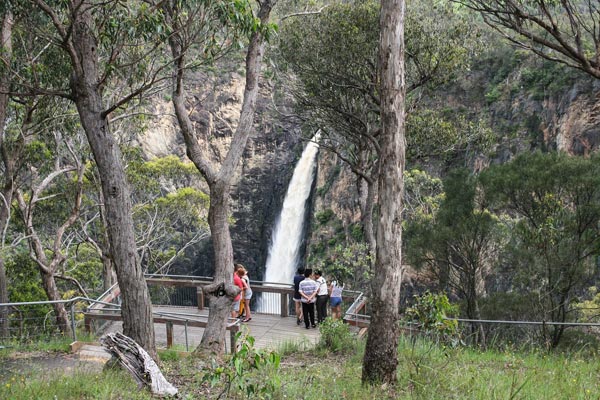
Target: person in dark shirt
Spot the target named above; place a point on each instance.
(299, 277)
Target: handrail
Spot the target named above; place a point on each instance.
(68, 301)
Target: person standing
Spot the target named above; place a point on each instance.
(308, 289)
(299, 277)
(237, 281)
(322, 295)
(243, 273)
(335, 299)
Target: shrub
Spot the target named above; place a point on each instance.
(430, 312)
(336, 336)
(244, 371)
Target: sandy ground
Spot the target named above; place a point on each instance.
(44, 364)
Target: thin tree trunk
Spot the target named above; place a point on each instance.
(136, 307)
(49, 285)
(213, 338)
(6, 46)
(381, 355)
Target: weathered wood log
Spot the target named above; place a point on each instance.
(138, 362)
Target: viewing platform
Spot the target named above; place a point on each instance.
(269, 331)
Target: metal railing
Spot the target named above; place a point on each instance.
(95, 315)
(33, 322)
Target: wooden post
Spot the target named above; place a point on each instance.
(200, 297)
(87, 322)
(284, 304)
(232, 332)
(169, 325)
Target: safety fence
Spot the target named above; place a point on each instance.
(36, 321)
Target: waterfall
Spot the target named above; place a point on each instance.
(282, 260)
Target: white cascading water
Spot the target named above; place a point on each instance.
(282, 260)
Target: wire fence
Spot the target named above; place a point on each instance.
(37, 321)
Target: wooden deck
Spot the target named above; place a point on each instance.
(269, 331)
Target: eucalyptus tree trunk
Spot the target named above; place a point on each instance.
(80, 44)
(381, 355)
(8, 188)
(219, 179)
(367, 188)
(47, 268)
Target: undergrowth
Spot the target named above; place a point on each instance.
(426, 370)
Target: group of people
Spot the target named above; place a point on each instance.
(241, 303)
(310, 290)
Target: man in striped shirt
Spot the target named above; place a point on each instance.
(308, 289)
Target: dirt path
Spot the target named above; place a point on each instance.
(40, 364)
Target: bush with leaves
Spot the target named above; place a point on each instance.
(336, 336)
(246, 371)
(431, 312)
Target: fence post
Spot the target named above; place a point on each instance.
(284, 305)
(169, 334)
(187, 347)
(232, 334)
(200, 297)
(73, 321)
(87, 323)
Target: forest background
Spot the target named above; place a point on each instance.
(501, 198)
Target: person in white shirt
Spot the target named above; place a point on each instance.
(335, 298)
(322, 295)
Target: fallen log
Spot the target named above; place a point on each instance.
(138, 362)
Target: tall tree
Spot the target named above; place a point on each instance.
(381, 353)
(556, 200)
(218, 178)
(564, 31)
(102, 44)
(332, 54)
(9, 157)
(458, 245)
(50, 258)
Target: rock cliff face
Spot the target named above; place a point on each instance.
(261, 180)
(524, 114)
(523, 119)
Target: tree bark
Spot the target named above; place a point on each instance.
(136, 307)
(7, 192)
(381, 359)
(367, 206)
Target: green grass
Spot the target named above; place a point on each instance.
(52, 344)
(425, 371)
(106, 385)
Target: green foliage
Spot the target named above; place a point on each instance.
(356, 232)
(24, 281)
(348, 263)
(245, 370)
(336, 336)
(435, 133)
(459, 245)
(324, 216)
(430, 312)
(555, 199)
(423, 195)
(110, 385)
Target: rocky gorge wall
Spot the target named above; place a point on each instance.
(261, 179)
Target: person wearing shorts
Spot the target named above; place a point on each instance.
(335, 299)
(237, 281)
(243, 274)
